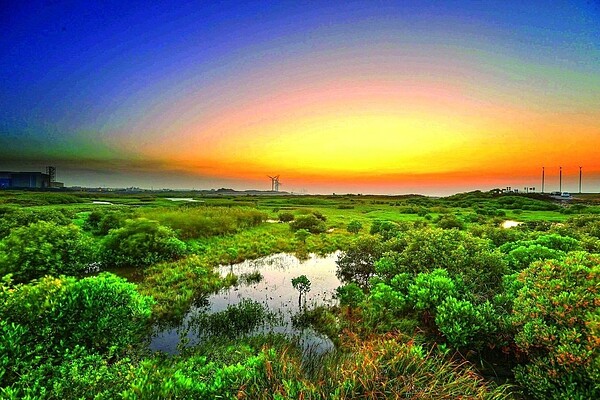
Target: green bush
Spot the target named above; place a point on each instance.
(46, 319)
(100, 222)
(430, 289)
(16, 218)
(387, 229)
(140, 243)
(45, 248)
(309, 222)
(464, 324)
(471, 262)
(350, 295)
(78, 374)
(522, 256)
(449, 221)
(557, 319)
(286, 217)
(354, 227)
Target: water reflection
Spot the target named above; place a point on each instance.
(274, 291)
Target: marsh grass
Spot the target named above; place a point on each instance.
(251, 278)
(236, 320)
(206, 221)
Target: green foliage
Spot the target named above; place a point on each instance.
(250, 278)
(464, 324)
(175, 285)
(78, 374)
(44, 248)
(551, 241)
(350, 295)
(354, 227)
(44, 320)
(302, 285)
(384, 307)
(449, 221)
(557, 318)
(196, 378)
(100, 222)
(470, 260)
(430, 289)
(319, 215)
(551, 246)
(141, 243)
(387, 229)
(301, 235)
(28, 199)
(357, 264)
(522, 256)
(12, 218)
(497, 235)
(309, 222)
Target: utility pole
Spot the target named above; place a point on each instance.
(580, 180)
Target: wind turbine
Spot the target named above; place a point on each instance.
(274, 183)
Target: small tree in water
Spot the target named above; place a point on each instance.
(302, 285)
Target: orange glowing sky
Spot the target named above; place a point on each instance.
(357, 98)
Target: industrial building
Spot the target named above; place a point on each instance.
(29, 180)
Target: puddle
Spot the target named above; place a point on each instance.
(188, 199)
(510, 224)
(274, 291)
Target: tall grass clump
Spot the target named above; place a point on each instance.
(384, 368)
(203, 222)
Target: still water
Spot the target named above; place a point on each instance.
(274, 291)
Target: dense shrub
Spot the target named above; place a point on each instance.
(465, 324)
(497, 235)
(308, 222)
(44, 248)
(557, 318)
(387, 229)
(449, 221)
(100, 222)
(45, 320)
(430, 289)
(141, 243)
(471, 261)
(16, 218)
(521, 253)
(286, 217)
(522, 256)
(350, 295)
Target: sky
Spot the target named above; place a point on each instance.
(381, 97)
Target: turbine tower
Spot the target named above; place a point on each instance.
(560, 179)
(579, 179)
(543, 179)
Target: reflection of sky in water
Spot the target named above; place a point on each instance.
(275, 291)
